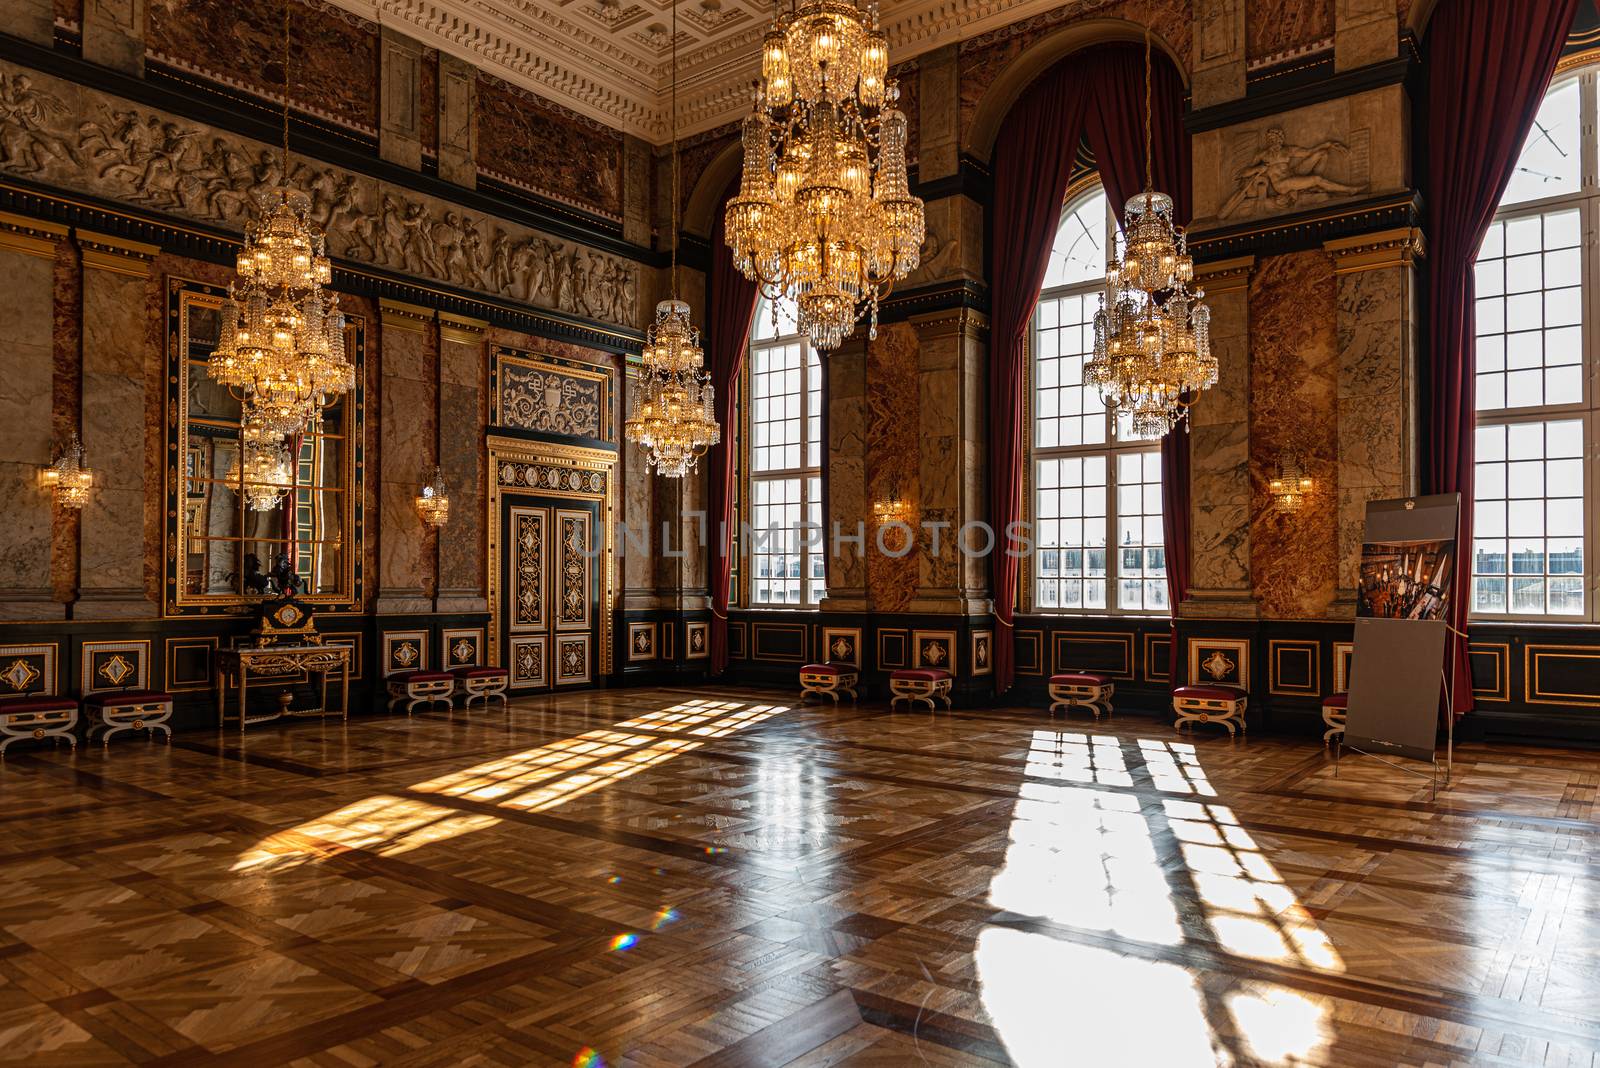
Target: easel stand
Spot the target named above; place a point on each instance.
(1432, 774)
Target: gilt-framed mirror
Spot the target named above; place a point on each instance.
(230, 520)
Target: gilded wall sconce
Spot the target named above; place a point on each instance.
(1290, 484)
(69, 476)
(433, 502)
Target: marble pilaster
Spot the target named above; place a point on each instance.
(458, 121)
(938, 128)
(113, 34)
(405, 565)
(31, 20)
(1219, 52)
(636, 190)
(463, 386)
(116, 290)
(1365, 31)
(1219, 475)
(638, 499)
(400, 100)
(846, 450)
(27, 320)
(951, 386)
(1376, 299)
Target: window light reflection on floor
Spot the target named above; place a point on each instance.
(534, 780)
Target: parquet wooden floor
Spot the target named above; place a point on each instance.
(654, 878)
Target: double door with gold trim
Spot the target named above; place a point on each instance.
(550, 612)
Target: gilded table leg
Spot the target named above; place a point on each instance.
(244, 685)
(344, 689)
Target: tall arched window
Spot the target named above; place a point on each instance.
(1536, 363)
(1096, 491)
(784, 462)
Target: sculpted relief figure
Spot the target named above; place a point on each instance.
(143, 158)
(1282, 174)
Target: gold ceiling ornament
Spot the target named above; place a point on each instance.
(282, 337)
(1290, 484)
(1152, 334)
(69, 476)
(433, 501)
(824, 214)
(261, 469)
(674, 412)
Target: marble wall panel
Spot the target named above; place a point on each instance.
(529, 142)
(406, 429)
(196, 173)
(429, 128)
(1294, 376)
(333, 53)
(895, 440)
(463, 384)
(1281, 29)
(26, 325)
(66, 404)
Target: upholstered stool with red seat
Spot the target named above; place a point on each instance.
(828, 680)
(480, 684)
(1334, 707)
(129, 710)
(1081, 689)
(1209, 704)
(40, 716)
(420, 688)
(920, 684)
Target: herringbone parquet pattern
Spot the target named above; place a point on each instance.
(658, 878)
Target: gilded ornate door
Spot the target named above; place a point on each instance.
(550, 610)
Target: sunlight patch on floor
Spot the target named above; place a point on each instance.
(382, 824)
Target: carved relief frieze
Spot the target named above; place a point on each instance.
(76, 138)
(551, 477)
(1272, 174)
(543, 399)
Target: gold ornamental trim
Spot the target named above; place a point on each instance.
(30, 237)
(118, 255)
(1400, 247)
(398, 315)
(1225, 276)
(461, 329)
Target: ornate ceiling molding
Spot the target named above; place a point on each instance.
(609, 59)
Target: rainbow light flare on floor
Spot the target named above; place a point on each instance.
(588, 1058)
(664, 917)
(624, 942)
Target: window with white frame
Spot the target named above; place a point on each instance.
(784, 464)
(1533, 518)
(1096, 491)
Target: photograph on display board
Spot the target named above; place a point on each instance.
(1406, 579)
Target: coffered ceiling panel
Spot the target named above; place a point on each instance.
(609, 59)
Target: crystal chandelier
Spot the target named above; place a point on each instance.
(433, 503)
(1152, 335)
(70, 476)
(1290, 484)
(282, 337)
(674, 415)
(261, 469)
(824, 214)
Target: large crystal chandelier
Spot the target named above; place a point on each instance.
(674, 414)
(1152, 336)
(282, 337)
(824, 214)
(261, 470)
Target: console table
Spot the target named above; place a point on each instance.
(267, 664)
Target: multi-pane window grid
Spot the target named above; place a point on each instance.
(1536, 427)
(785, 417)
(1089, 484)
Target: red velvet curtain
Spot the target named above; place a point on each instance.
(1100, 93)
(730, 310)
(1116, 137)
(1489, 63)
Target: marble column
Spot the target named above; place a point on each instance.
(400, 99)
(638, 515)
(1219, 474)
(952, 383)
(31, 20)
(27, 321)
(846, 458)
(404, 457)
(116, 297)
(1218, 53)
(1376, 299)
(113, 34)
(635, 190)
(463, 387)
(458, 121)
(938, 130)
(1364, 31)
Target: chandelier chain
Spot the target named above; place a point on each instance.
(286, 4)
(1149, 181)
(676, 228)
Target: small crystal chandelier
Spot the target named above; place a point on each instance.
(674, 415)
(1290, 484)
(1152, 334)
(262, 469)
(433, 502)
(69, 476)
(282, 337)
(824, 214)
(891, 509)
